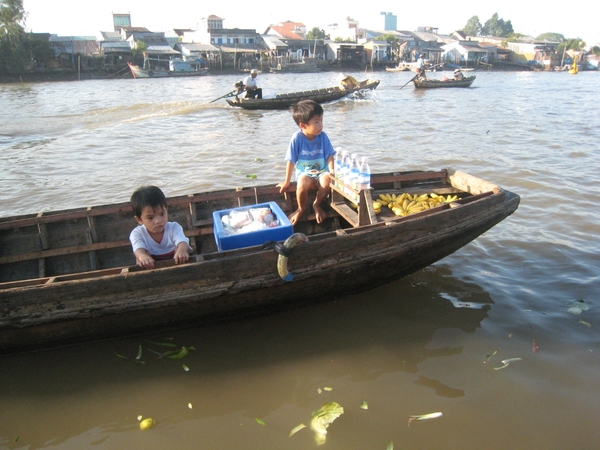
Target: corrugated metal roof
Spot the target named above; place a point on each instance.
(199, 47)
(273, 42)
(161, 49)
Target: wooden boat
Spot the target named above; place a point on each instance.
(401, 67)
(433, 84)
(69, 276)
(284, 101)
(309, 65)
(177, 68)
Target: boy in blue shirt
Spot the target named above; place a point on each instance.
(310, 155)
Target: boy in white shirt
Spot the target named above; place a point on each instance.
(156, 238)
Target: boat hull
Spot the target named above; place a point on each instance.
(284, 101)
(139, 72)
(436, 84)
(239, 283)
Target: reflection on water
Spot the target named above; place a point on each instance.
(266, 367)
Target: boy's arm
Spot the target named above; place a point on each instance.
(331, 164)
(144, 259)
(182, 253)
(289, 170)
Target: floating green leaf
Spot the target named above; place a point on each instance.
(322, 418)
(251, 176)
(296, 429)
(163, 344)
(260, 422)
(258, 159)
(139, 355)
(179, 354)
(364, 405)
(186, 368)
(327, 388)
(390, 445)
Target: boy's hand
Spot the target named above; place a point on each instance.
(146, 261)
(182, 253)
(283, 186)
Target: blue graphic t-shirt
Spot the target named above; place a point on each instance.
(309, 157)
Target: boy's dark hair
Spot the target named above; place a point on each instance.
(147, 196)
(305, 110)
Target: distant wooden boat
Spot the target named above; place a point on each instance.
(433, 84)
(309, 65)
(177, 68)
(284, 101)
(401, 67)
(68, 276)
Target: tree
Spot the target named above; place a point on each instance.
(473, 27)
(570, 44)
(13, 59)
(12, 17)
(550, 37)
(316, 33)
(497, 27)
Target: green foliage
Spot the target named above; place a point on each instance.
(12, 17)
(497, 27)
(596, 50)
(473, 27)
(551, 37)
(140, 48)
(571, 44)
(339, 39)
(316, 33)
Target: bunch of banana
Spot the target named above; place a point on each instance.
(376, 206)
(409, 207)
(439, 199)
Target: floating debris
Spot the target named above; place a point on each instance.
(429, 416)
(536, 347)
(364, 405)
(322, 418)
(251, 175)
(488, 356)
(390, 446)
(190, 405)
(146, 424)
(186, 368)
(587, 324)
(260, 422)
(296, 429)
(506, 362)
(577, 306)
(327, 388)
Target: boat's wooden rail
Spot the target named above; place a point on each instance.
(342, 194)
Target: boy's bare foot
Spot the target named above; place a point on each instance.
(295, 216)
(320, 214)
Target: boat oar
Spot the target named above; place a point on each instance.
(229, 94)
(409, 80)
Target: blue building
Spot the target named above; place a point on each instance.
(391, 21)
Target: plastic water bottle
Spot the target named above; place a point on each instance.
(354, 172)
(337, 163)
(365, 174)
(344, 167)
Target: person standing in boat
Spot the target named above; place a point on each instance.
(310, 155)
(458, 75)
(250, 86)
(156, 238)
(421, 68)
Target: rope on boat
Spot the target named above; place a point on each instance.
(284, 250)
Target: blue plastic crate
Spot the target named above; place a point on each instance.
(232, 241)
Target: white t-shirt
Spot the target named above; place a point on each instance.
(250, 82)
(172, 236)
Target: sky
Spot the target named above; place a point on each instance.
(88, 18)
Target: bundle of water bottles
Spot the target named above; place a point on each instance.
(352, 172)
